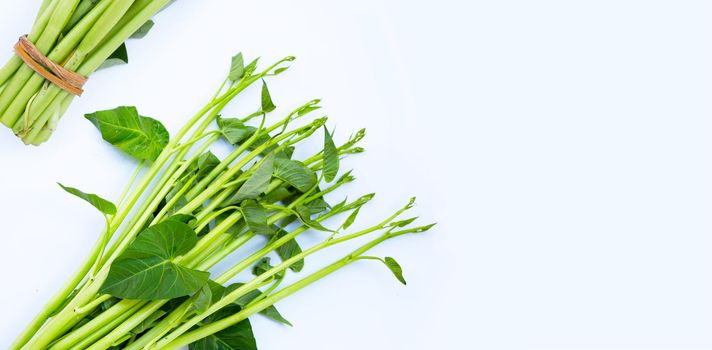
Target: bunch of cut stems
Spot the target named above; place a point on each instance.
(79, 35)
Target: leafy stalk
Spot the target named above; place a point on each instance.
(146, 284)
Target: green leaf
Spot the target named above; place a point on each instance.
(267, 104)
(183, 218)
(318, 205)
(140, 137)
(234, 130)
(256, 218)
(237, 68)
(236, 337)
(257, 184)
(143, 30)
(288, 250)
(294, 173)
(402, 223)
(350, 220)
(206, 163)
(203, 299)
(280, 70)
(119, 57)
(304, 214)
(331, 157)
(270, 312)
(278, 194)
(102, 204)
(145, 270)
(263, 266)
(393, 265)
(251, 67)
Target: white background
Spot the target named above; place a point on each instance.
(563, 146)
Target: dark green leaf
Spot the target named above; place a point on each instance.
(295, 173)
(317, 206)
(118, 57)
(202, 299)
(143, 30)
(288, 250)
(267, 104)
(256, 218)
(289, 152)
(278, 194)
(257, 184)
(236, 337)
(395, 268)
(262, 266)
(145, 271)
(234, 130)
(331, 157)
(102, 204)
(272, 313)
(141, 137)
(184, 218)
(237, 68)
(288, 220)
(206, 163)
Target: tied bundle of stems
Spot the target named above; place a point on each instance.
(80, 35)
(151, 281)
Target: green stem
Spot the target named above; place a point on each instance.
(93, 62)
(177, 338)
(58, 299)
(68, 317)
(195, 259)
(43, 16)
(130, 183)
(33, 81)
(75, 341)
(56, 23)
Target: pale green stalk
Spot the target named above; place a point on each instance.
(109, 13)
(43, 16)
(193, 258)
(247, 287)
(216, 185)
(94, 61)
(68, 317)
(56, 301)
(177, 341)
(57, 21)
(90, 338)
(33, 81)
